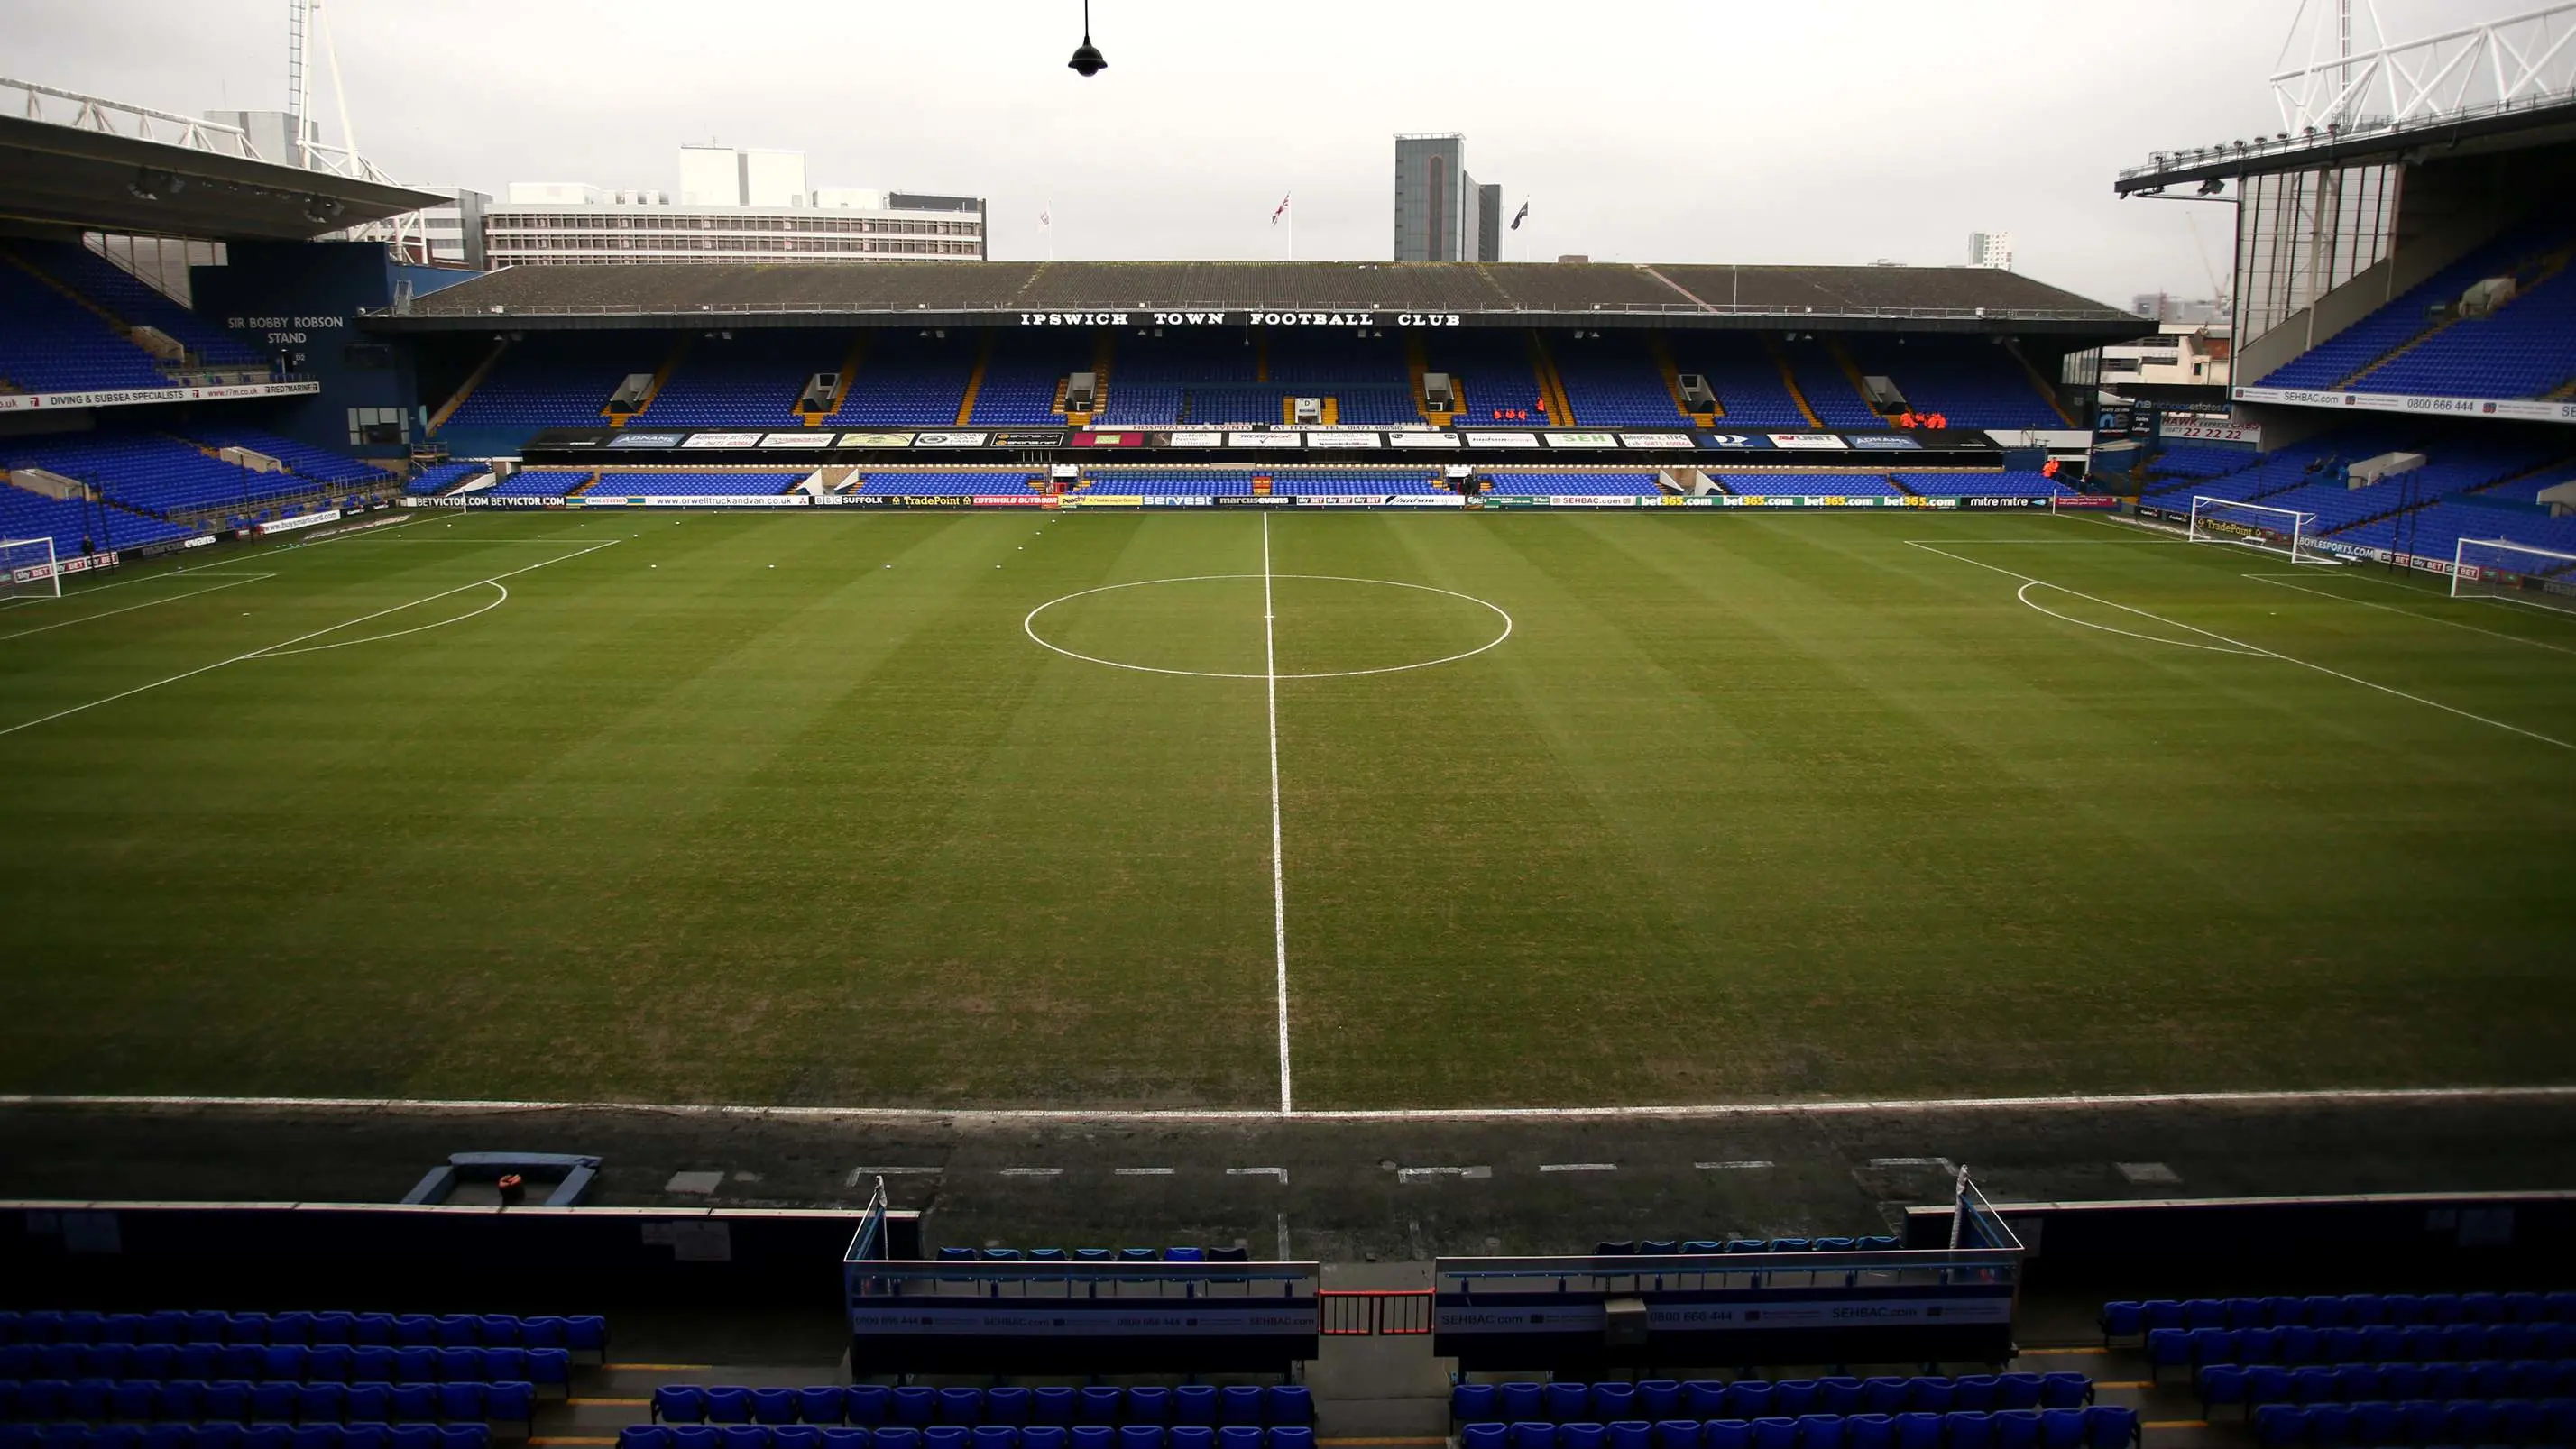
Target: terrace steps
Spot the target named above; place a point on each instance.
(652, 390)
(466, 388)
(1664, 364)
(1851, 370)
(975, 381)
(2546, 266)
(850, 361)
(1789, 378)
(1551, 387)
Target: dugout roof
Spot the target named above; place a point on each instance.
(56, 180)
(1328, 293)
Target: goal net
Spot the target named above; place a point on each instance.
(2490, 568)
(27, 569)
(2284, 531)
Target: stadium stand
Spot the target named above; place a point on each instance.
(736, 484)
(751, 379)
(2525, 348)
(909, 379)
(550, 380)
(1024, 376)
(154, 474)
(1829, 393)
(541, 483)
(2010, 483)
(1494, 374)
(438, 478)
(2420, 317)
(1576, 485)
(70, 523)
(50, 343)
(1808, 485)
(1755, 1398)
(134, 302)
(319, 464)
(920, 1407)
(1740, 371)
(1971, 381)
(1613, 380)
(951, 484)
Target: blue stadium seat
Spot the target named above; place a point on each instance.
(693, 1436)
(2016, 1429)
(2061, 1429)
(849, 1438)
(1474, 1404)
(1102, 1404)
(458, 1402)
(1969, 1428)
(1053, 1404)
(1658, 1398)
(1774, 1432)
(1485, 1434)
(731, 1404)
(915, 1406)
(866, 1405)
(956, 1406)
(1929, 1395)
(1299, 1436)
(1919, 1430)
(1677, 1434)
(1240, 1404)
(742, 1436)
(1564, 1402)
(1194, 1404)
(1288, 1406)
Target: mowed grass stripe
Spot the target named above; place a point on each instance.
(1749, 807)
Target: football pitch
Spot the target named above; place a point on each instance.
(1194, 809)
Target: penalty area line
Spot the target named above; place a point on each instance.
(2238, 645)
(146, 604)
(286, 646)
(2087, 1102)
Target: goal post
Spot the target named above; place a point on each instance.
(27, 569)
(2284, 531)
(2493, 568)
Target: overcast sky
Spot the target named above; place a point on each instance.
(1808, 131)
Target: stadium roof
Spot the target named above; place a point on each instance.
(57, 178)
(2547, 121)
(1527, 294)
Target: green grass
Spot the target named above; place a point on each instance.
(1748, 806)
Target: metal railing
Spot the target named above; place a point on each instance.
(95, 113)
(1376, 1312)
(1080, 1278)
(2367, 129)
(421, 309)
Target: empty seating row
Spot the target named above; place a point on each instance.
(2099, 1426)
(2349, 1383)
(1757, 1398)
(246, 1436)
(135, 1401)
(959, 1436)
(917, 1406)
(2420, 1421)
(1616, 1249)
(326, 1363)
(692, 485)
(2385, 1343)
(2126, 1318)
(1576, 485)
(440, 477)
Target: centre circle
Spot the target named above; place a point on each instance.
(1200, 624)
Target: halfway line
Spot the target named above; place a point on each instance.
(1278, 863)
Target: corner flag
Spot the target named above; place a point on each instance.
(1281, 211)
(1520, 216)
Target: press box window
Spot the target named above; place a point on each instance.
(379, 425)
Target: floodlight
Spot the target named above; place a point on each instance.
(1087, 60)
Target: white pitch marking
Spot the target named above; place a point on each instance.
(1033, 1172)
(1578, 1167)
(862, 1174)
(284, 644)
(1278, 1172)
(130, 608)
(2241, 647)
(503, 596)
(2409, 613)
(2023, 594)
(1028, 626)
(1747, 1165)
(1278, 861)
(1416, 1174)
(1940, 1162)
(1713, 1111)
(1141, 1172)
(1283, 1239)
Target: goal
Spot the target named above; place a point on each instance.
(2285, 531)
(27, 569)
(2491, 568)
